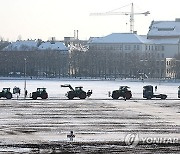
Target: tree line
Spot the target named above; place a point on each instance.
(77, 63)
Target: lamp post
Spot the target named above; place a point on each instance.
(25, 91)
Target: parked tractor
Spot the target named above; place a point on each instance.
(6, 93)
(122, 92)
(40, 92)
(179, 92)
(77, 92)
(148, 93)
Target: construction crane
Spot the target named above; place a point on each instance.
(131, 14)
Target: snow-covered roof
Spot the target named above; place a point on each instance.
(22, 45)
(120, 38)
(164, 28)
(53, 46)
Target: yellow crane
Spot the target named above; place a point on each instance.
(131, 14)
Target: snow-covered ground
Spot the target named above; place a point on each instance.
(98, 118)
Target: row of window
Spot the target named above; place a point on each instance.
(116, 47)
(154, 48)
(154, 55)
(170, 63)
(127, 47)
(170, 71)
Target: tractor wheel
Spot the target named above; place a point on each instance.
(70, 96)
(44, 96)
(127, 95)
(34, 96)
(82, 95)
(149, 97)
(163, 97)
(8, 95)
(115, 95)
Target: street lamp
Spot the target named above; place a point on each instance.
(25, 91)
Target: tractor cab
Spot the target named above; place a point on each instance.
(124, 88)
(79, 88)
(41, 90)
(6, 93)
(6, 90)
(148, 93)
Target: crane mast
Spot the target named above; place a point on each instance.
(131, 14)
(132, 19)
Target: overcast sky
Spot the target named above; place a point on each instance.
(59, 18)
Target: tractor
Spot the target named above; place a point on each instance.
(77, 92)
(148, 93)
(122, 92)
(6, 93)
(40, 92)
(179, 92)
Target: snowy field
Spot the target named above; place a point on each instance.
(96, 119)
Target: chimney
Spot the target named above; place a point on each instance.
(177, 19)
(77, 34)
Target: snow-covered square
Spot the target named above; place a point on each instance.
(95, 119)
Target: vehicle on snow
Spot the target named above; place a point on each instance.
(77, 92)
(149, 93)
(40, 92)
(123, 91)
(6, 93)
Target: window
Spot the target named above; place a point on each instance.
(158, 55)
(162, 55)
(162, 48)
(146, 47)
(127, 47)
(137, 47)
(152, 48)
(120, 47)
(166, 29)
(156, 48)
(134, 47)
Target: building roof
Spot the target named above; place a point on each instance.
(21, 45)
(53, 46)
(164, 28)
(120, 38)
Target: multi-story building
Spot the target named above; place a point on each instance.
(161, 42)
(117, 54)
